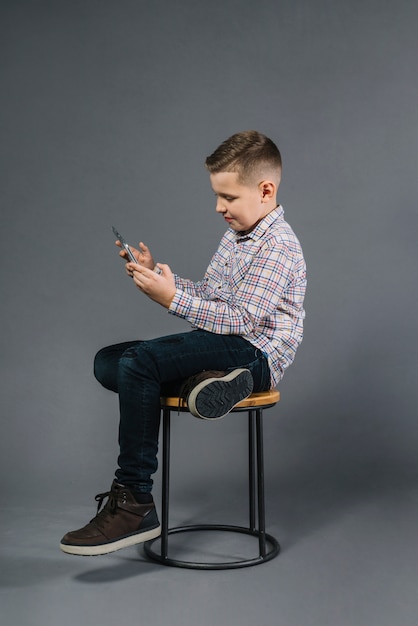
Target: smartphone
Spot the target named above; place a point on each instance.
(124, 245)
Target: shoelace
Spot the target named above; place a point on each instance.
(111, 504)
(109, 509)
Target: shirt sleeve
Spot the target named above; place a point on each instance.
(240, 311)
(195, 289)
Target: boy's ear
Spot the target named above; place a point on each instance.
(268, 190)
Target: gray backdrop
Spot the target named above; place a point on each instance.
(108, 110)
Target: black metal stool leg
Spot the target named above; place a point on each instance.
(260, 484)
(165, 483)
(251, 468)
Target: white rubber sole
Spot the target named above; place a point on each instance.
(107, 548)
(224, 393)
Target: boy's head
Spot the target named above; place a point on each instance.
(251, 155)
(245, 172)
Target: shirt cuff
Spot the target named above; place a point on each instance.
(181, 304)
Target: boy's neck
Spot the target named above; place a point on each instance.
(242, 233)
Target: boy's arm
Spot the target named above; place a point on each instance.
(195, 289)
(257, 297)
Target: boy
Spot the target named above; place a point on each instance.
(247, 315)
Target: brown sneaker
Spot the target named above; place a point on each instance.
(212, 394)
(122, 522)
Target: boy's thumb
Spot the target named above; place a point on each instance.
(164, 269)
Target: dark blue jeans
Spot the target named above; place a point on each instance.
(141, 371)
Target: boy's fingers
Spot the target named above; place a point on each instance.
(135, 267)
(165, 269)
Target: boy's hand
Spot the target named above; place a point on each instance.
(159, 287)
(143, 256)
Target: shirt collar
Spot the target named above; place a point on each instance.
(262, 226)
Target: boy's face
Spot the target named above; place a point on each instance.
(242, 206)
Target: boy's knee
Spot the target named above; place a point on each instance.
(98, 364)
(104, 370)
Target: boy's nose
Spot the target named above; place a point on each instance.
(219, 207)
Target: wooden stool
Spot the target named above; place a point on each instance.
(268, 546)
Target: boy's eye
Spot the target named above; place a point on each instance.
(225, 197)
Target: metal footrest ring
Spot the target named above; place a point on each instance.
(274, 548)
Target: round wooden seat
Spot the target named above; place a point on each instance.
(262, 398)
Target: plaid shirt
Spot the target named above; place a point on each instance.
(254, 287)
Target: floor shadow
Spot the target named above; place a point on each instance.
(26, 571)
(122, 568)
